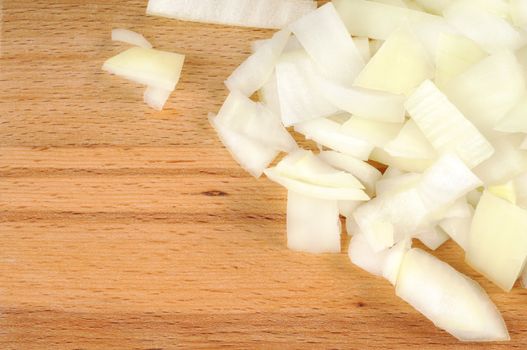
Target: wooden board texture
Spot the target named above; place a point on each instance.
(125, 228)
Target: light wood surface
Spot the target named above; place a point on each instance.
(125, 228)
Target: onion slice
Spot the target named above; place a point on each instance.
(130, 37)
(156, 97)
(274, 14)
(411, 143)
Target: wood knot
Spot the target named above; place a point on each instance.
(214, 193)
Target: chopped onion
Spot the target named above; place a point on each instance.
(458, 229)
(312, 224)
(252, 155)
(268, 94)
(432, 237)
(488, 90)
(299, 98)
(130, 37)
(498, 240)
(445, 127)
(451, 300)
(326, 40)
(455, 54)
(254, 120)
(515, 120)
(519, 13)
(346, 208)
(362, 255)
(402, 163)
(399, 66)
(366, 173)
(255, 71)
(411, 143)
(156, 97)
(245, 13)
(363, 45)
(374, 132)
(434, 6)
(493, 33)
(394, 259)
(396, 183)
(351, 226)
(154, 68)
(505, 191)
(330, 134)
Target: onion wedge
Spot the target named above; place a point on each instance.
(130, 37)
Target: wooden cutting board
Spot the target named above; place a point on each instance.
(125, 228)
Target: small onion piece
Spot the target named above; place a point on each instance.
(516, 119)
(156, 97)
(130, 37)
(411, 143)
(374, 132)
(519, 13)
(433, 237)
(361, 254)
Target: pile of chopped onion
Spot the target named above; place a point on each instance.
(158, 70)
(433, 89)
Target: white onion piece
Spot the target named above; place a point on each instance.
(366, 173)
(458, 229)
(516, 119)
(374, 132)
(150, 67)
(493, 33)
(362, 255)
(252, 155)
(434, 6)
(398, 3)
(400, 65)
(520, 188)
(375, 45)
(432, 237)
(498, 240)
(255, 121)
(363, 45)
(488, 90)
(379, 21)
(506, 162)
(474, 196)
(391, 172)
(255, 71)
(156, 98)
(402, 163)
(505, 191)
(460, 209)
(411, 143)
(130, 37)
(346, 208)
(329, 134)
(273, 14)
(396, 184)
(326, 40)
(268, 94)
(445, 127)
(351, 226)
(394, 259)
(304, 166)
(299, 98)
(451, 300)
(455, 54)
(519, 13)
(312, 224)
(365, 103)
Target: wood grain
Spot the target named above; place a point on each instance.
(125, 228)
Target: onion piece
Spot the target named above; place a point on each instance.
(255, 71)
(365, 103)
(159, 69)
(398, 3)
(519, 13)
(498, 240)
(361, 254)
(402, 163)
(156, 97)
(130, 37)
(411, 143)
(375, 45)
(445, 127)
(451, 300)
(299, 98)
(351, 226)
(396, 183)
(363, 45)
(399, 66)
(254, 120)
(251, 155)
(268, 94)
(458, 229)
(394, 259)
(488, 90)
(366, 173)
(374, 132)
(455, 54)
(505, 191)
(273, 14)
(493, 33)
(312, 224)
(435, 7)
(329, 134)
(346, 208)
(516, 119)
(433, 237)
(326, 40)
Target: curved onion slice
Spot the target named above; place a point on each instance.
(498, 240)
(130, 37)
(159, 69)
(400, 65)
(451, 300)
(445, 127)
(326, 40)
(252, 155)
(329, 133)
(255, 71)
(254, 120)
(410, 143)
(245, 13)
(312, 224)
